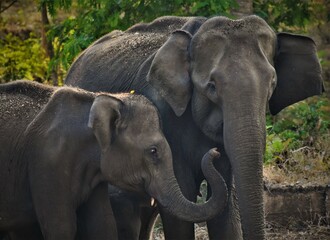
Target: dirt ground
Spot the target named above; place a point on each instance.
(301, 231)
(298, 230)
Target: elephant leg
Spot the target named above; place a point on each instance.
(148, 219)
(226, 225)
(52, 196)
(95, 219)
(31, 232)
(57, 221)
(133, 213)
(175, 228)
(127, 214)
(3, 235)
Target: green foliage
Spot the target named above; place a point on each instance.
(22, 59)
(286, 14)
(94, 18)
(297, 126)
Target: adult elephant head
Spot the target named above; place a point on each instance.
(230, 70)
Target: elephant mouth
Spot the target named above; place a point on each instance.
(214, 133)
(136, 188)
(143, 197)
(211, 126)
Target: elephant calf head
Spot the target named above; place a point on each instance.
(135, 155)
(128, 130)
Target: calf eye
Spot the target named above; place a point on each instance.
(153, 151)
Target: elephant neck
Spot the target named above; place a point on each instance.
(85, 177)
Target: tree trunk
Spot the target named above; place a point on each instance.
(245, 7)
(47, 45)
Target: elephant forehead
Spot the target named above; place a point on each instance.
(222, 27)
(141, 114)
(220, 35)
(146, 118)
(143, 126)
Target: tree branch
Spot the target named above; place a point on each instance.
(5, 8)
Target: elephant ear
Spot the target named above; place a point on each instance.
(169, 71)
(103, 118)
(298, 71)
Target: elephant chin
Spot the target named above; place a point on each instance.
(214, 134)
(211, 130)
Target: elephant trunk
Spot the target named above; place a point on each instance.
(174, 202)
(244, 143)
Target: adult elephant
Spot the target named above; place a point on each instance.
(211, 80)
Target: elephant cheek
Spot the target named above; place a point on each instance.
(209, 117)
(110, 166)
(106, 169)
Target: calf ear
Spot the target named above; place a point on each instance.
(169, 71)
(103, 117)
(298, 71)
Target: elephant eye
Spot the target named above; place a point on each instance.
(211, 91)
(153, 151)
(211, 86)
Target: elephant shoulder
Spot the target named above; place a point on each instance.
(69, 97)
(20, 101)
(108, 37)
(28, 88)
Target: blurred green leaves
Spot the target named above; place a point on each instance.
(91, 19)
(22, 59)
(303, 124)
(284, 15)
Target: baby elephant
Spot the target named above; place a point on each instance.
(61, 146)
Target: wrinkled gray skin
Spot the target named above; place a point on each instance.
(60, 147)
(211, 80)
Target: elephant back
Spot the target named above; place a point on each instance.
(162, 25)
(112, 62)
(21, 101)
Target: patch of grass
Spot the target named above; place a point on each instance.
(298, 143)
(305, 165)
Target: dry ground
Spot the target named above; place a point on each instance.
(301, 231)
